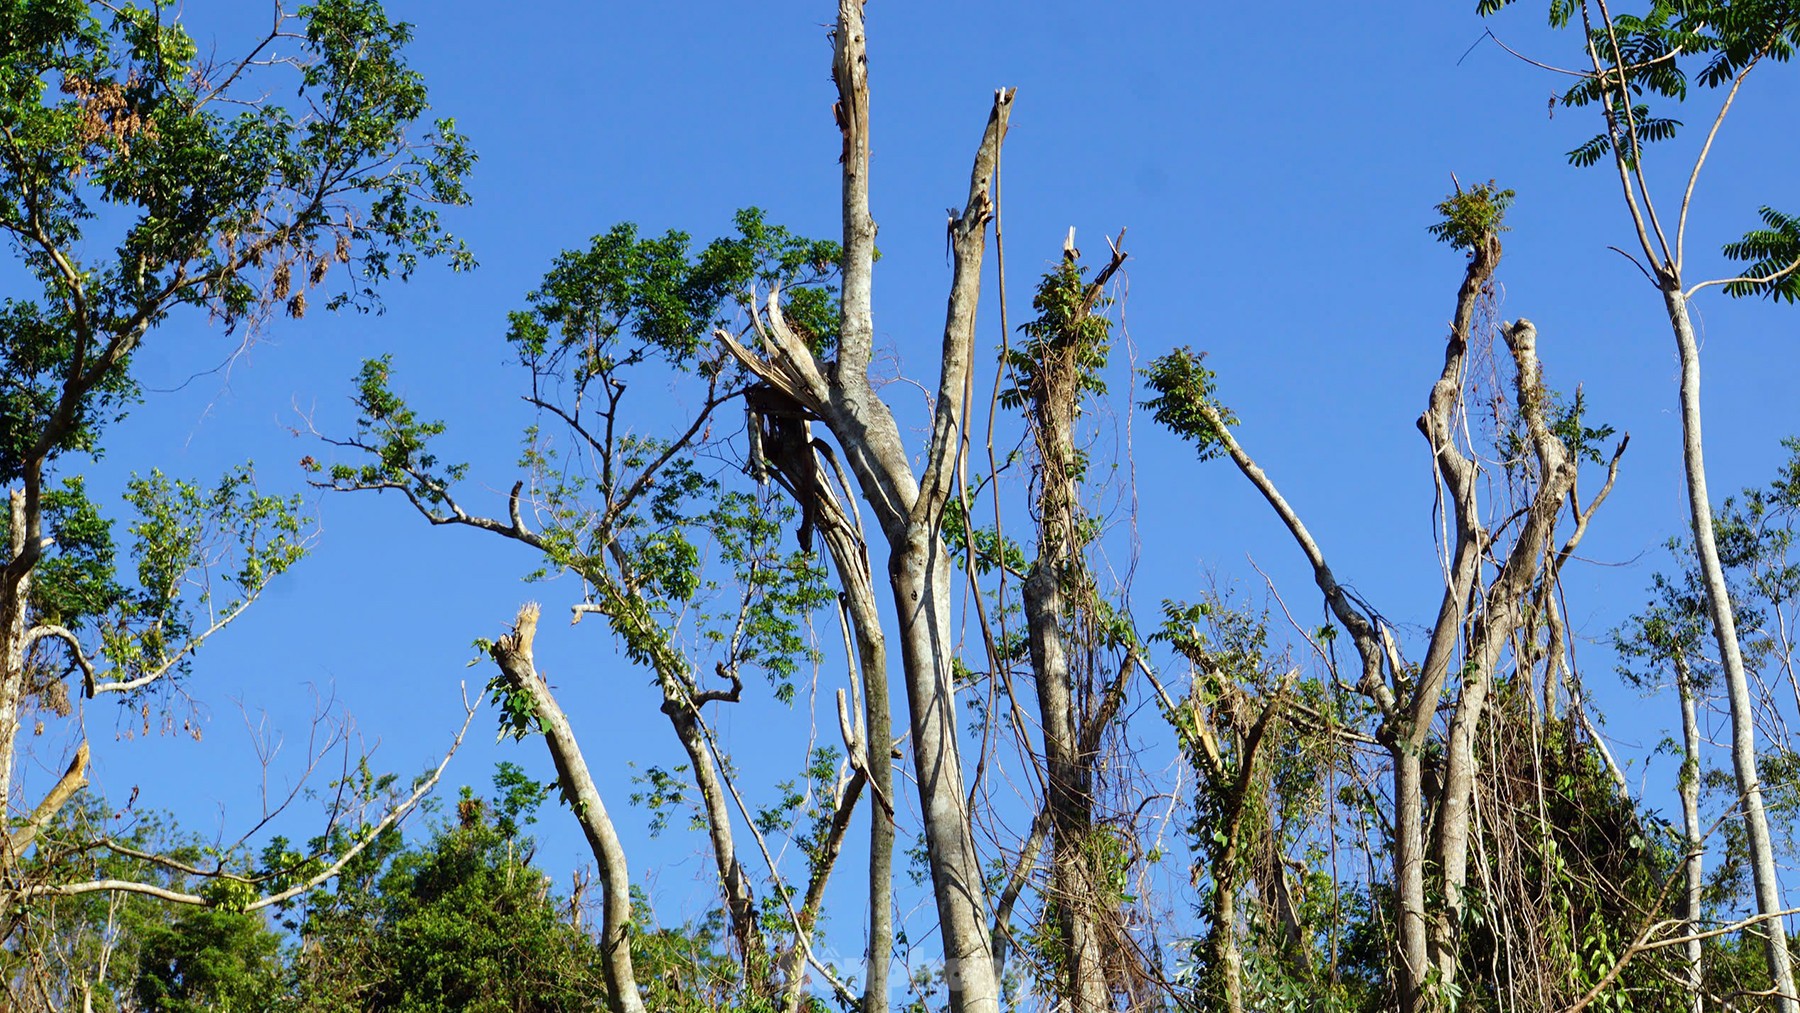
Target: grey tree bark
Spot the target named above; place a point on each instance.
(1666, 260)
(14, 592)
(907, 507)
(799, 464)
(1767, 885)
(1694, 868)
(513, 654)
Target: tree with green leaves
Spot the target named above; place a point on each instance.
(461, 921)
(687, 563)
(1676, 53)
(1492, 591)
(1081, 650)
(141, 182)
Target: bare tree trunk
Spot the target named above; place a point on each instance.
(1070, 801)
(1731, 658)
(1422, 953)
(1494, 626)
(921, 573)
(878, 762)
(1409, 879)
(1228, 959)
(682, 700)
(850, 555)
(13, 593)
(513, 654)
(908, 507)
(872, 656)
(740, 899)
(1695, 865)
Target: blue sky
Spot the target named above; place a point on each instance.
(1276, 168)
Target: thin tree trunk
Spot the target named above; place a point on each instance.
(920, 569)
(1228, 959)
(740, 899)
(1731, 658)
(1495, 626)
(872, 651)
(1054, 394)
(1695, 865)
(513, 654)
(1070, 782)
(1409, 878)
(13, 593)
(849, 553)
(908, 507)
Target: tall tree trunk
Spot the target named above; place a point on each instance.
(1731, 658)
(920, 568)
(514, 656)
(872, 655)
(734, 880)
(1055, 385)
(1069, 781)
(1493, 628)
(1695, 864)
(844, 539)
(1409, 879)
(1227, 957)
(13, 593)
(908, 507)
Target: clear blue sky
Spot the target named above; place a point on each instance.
(1276, 168)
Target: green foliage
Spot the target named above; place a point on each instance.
(626, 299)
(1648, 129)
(1664, 51)
(991, 549)
(663, 794)
(777, 588)
(1589, 865)
(234, 203)
(1772, 254)
(1471, 217)
(77, 582)
(690, 968)
(464, 922)
(391, 433)
(516, 798)
(1066, 330)
(1756, 532)
(98, 940)
(1567, 421)
(1186, 400)
(199, 552)
(517, 707)
(209, 960)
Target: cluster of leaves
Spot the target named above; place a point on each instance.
(778, 588)
(201, 556)
(237, 203)
(627, 299)
(1067, 327)
(1568, 422)
(1664, 51)
(1471, 217)
(1186, 400)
